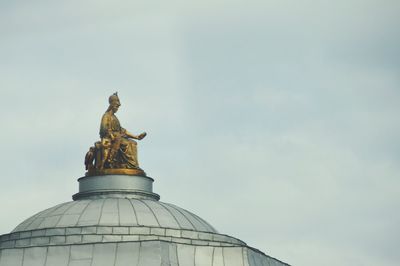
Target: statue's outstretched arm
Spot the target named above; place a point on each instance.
(130, 135)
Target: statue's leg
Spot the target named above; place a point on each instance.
(105, 154)
(129, 153)
(115, 145)
(103, 148)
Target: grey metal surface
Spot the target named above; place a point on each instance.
(115, 212)
(95, 234)
(118, 221)
(122, 186)
(149, 253)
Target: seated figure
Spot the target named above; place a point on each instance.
(116, 150)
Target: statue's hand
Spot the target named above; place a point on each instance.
(141, 136)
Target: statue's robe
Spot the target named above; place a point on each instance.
(126, 156)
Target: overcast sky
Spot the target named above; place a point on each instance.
(275, 121)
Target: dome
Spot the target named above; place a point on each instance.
(116, 212)
(117, 220)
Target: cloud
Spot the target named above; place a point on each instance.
(280, 115)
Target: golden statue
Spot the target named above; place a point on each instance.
(116, 152)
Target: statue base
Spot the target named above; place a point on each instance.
(115, 171)
(115, 186)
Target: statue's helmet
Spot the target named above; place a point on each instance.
(114, 100)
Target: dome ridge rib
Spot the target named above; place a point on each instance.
(151, 210)
(175, 210)
(64, 213)
(194, 227)
(134, 211)
(177, 222)
(80, 215)
(101, 210)
(203, 226)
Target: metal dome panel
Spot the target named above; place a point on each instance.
(115, 212)
(151, 253)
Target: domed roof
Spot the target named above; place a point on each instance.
(118, 220)
(115, 212)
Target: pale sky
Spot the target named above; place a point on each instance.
(275, 121)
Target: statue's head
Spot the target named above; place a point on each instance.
(113, 100)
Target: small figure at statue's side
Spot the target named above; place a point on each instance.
(116, 152)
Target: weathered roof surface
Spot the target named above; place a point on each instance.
(116, 212)
(150, 253)
(118, 221)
